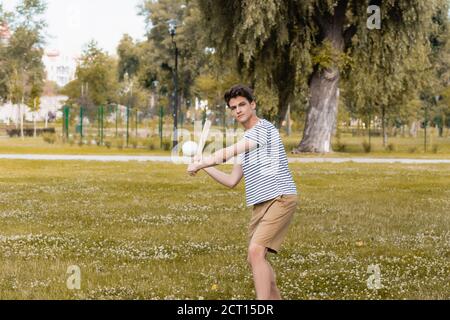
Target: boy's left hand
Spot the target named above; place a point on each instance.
(193, 168)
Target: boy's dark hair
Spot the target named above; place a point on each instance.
(239, 91)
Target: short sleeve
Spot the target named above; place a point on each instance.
(258, 134)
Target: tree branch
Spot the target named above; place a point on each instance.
(348, 35)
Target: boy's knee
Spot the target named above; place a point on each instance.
(256, 253)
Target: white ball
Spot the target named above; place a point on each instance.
(190, 148)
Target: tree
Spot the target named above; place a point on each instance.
(215, 78)
(132, 91)
(21, 60)
(440, 40)
(5, 21)
(158, 52)
(129, 57)
(317, 39)
(97, 74)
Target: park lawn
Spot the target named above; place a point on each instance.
(148, 231)
(39, 146)
(353, 145)
(437, 148)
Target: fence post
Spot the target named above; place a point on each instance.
(128, 125)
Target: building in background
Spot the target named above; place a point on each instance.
(60, 68)
(49, 110)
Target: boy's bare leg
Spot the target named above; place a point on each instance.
(263, 275)
(274, 292)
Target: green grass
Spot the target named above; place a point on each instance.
(401, 147)
(38, 146)
(148, 231)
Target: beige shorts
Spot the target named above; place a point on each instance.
(270, 221)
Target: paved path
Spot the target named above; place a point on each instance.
(186, 160)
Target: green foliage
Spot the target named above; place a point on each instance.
(151, 144)
(406, 66)
(391, 147)
(293, 40)
(340, 147)
(166, 145)
(21, 67)
(49, 138)
(325, 56)
(96, 73)
(158, 52)
(129, 57)
(134, 142)
(413, 149)
(119, 143)
(435, 148)
(29, 15)
(108, 143)
(367, 147)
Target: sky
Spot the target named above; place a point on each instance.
(73, 23)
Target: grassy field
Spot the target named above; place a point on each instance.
(39, 146)
(147, 231)
(398, 147)
(439, 148)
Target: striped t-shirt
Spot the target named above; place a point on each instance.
(266, 172)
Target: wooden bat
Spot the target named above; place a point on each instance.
(203, 138)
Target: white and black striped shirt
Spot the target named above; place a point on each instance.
(266, 171)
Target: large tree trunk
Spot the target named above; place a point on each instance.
(321, 114)
(324, 88)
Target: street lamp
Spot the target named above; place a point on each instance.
(129, 92)
(155, 85)
(172, 30)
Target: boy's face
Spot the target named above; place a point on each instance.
(242, 109)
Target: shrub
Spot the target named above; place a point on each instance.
(412, 150)
(119, 143)
(367, 147)
(289, 146)
(98, 141)
(108, 144)
(167, 145)
(435, 148)
(341, 147)
(49, 138)
(133, 142)
(391, 147)
(151, 145)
